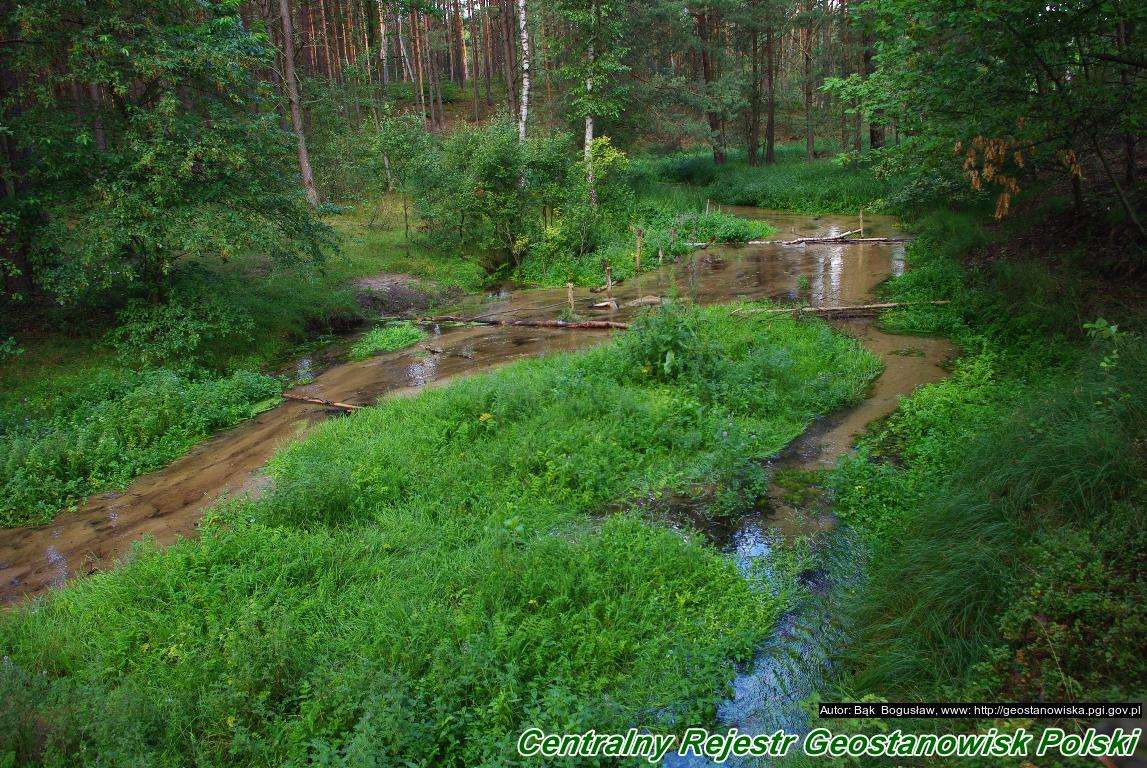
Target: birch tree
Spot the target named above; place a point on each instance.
(524, 101)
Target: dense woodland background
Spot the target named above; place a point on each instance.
(137, 136)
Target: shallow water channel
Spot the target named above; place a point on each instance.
(168, 504)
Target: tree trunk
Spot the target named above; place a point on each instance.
(487, 56)
(707, 24)
(416, 54)
(473, 55)
(591, 182)
(771, 98)
(754, 146)
(806, 79)
(382, 46)
(875, 123)
(524, 101)
(293, 98)
(326, 39)
(508, 62)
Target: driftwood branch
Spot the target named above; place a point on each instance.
(842, 239)
(821, 239)
(320, 401)
(585, 325)
(859, 309)
(447, 352)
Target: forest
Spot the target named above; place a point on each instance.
(385, 381)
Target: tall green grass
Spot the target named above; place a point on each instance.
(791, 184)
(428, 576)
(1001, 504)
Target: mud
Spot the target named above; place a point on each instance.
(167, 504)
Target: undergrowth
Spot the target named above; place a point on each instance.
(428, 576)
(1004, 504)
(106, 428)
(792, 184)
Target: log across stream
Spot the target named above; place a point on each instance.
(167, 504)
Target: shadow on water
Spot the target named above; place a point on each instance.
(167, 504)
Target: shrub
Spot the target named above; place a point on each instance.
(178, 334)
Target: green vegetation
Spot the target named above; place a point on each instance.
(431, 574)
(1003, 504)
(386, 338)
(790, 185)
(96, 431)
(525, 209)
(192, 189)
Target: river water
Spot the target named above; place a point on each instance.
(168, 504)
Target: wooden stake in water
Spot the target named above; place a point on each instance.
(660, 256)
(637, 257)
(608, 282)
(569, 296)
(862, 222)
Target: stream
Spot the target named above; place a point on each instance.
(167, 504)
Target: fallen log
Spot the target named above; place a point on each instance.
(858, 309)
(822, 239)
(584, 325)
(320, 401)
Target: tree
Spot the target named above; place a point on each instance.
(181, 156)
(293, 97)
(1014, 86)
(524, 102)
(593, 51)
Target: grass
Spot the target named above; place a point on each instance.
(791, 184)
(1001, 504)
(110, 427)
(429, 575)
(383, 246)
(386, 338)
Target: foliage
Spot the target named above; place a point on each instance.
(172, 153)
(989, 497)
(1058, 78)
(177, 334)
(666, 343)
(386, 338)
(108, 428)
(429, 575)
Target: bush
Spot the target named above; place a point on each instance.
(178, 334)
(667, 342)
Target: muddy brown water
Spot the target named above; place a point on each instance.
(168, 504)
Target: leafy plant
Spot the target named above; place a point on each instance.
(110, 429)
(178, 334)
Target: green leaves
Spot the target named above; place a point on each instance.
(146, 141)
